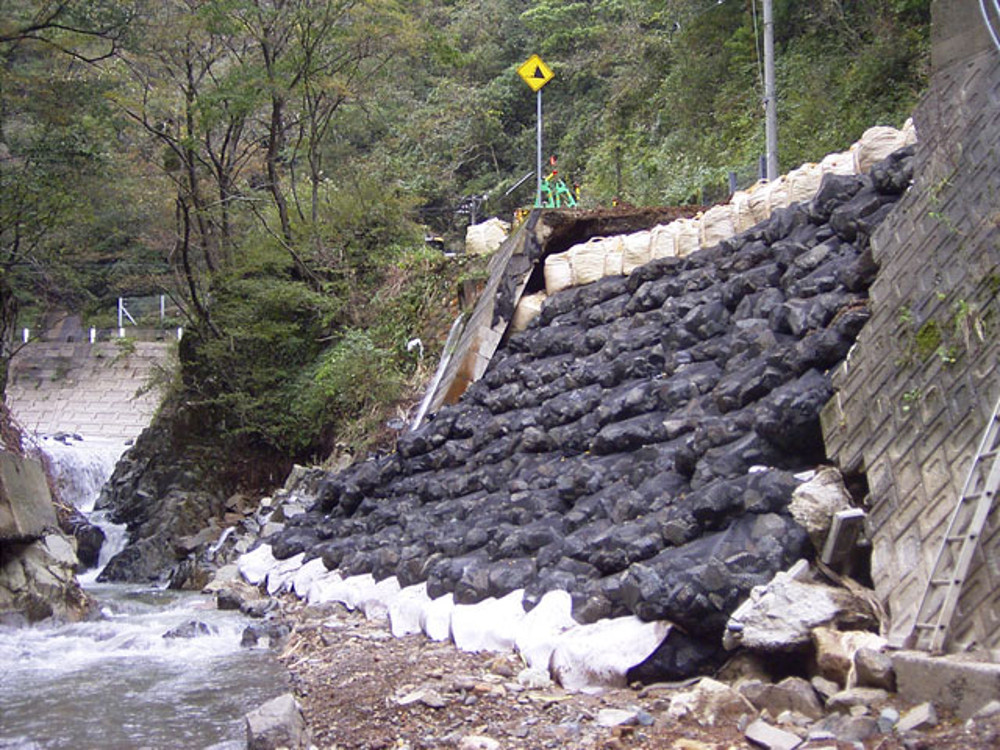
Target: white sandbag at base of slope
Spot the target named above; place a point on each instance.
(305, 577)
(542, 626)
(376, 603)
(435, 619)
(489, 625)
(406, 610)
(281, 575)
(256, 564)
(325, 588)
(527, 310)
(589, 658)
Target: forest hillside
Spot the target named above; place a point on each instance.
(274, 169)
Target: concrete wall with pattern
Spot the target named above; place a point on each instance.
(914, 397)
(106, 389)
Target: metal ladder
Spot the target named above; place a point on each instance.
(944, 586)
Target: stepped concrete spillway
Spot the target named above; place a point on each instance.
(106, 389)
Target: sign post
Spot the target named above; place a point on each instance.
(536, 74)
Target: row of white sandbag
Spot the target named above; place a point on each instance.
(621, 254)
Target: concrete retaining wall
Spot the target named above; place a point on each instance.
(107, 389)
(914, 397)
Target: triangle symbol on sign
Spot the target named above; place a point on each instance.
(538, 72)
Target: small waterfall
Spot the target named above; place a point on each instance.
(80, 467)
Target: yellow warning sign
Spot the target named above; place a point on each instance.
(535, 73)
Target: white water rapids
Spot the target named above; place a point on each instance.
(117, 682)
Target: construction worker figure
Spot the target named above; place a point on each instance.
(555, 193)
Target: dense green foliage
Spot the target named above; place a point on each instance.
(269, 165)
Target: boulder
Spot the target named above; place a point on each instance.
(873, 668)
(791, 694)
(37, 580)
(782, 615)
(835, 651)
(815, 502)
(26, 510)
(277, 724)
(711, 704)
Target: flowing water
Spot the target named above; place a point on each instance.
(121, 681)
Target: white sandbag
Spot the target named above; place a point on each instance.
(663, 241)
(804, 182)
(558, 273)
(687, 237)
(875, 144)
(614, 256)
(757, 201)
(778, 194)
(909, 132)
(637, 251)
(588, 260)
(716, 225)
(484, 238)
(527, 310)
(743, 217)
(841, 162)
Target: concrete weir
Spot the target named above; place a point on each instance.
(106, 389)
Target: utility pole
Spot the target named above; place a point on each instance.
(770, 98)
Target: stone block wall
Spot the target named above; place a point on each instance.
(96, 390)
(915, 395)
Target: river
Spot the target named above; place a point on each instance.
(121, 681)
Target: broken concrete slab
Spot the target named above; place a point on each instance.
(769, 737)
(917, 718)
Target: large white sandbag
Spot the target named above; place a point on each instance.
(527, 310)
(875, 144)
(804, 182)
(757, 201)
(841, 162)
(777, 194)
(687, 237)
(614, 256)
(716, 225)
(588, 260)
(637, 251)
(743, 217)
(484, 238)
(663, 241)
(558, 273)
